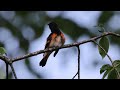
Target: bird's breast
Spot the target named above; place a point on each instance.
(58, 41)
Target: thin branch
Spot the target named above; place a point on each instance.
(65, 46)
(75, 75)
(4, 58)
(78, 62)
(78, 72)
(13, 70)
(55, 48)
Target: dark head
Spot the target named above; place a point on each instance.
(54, 27)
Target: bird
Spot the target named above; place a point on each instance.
(55, 39)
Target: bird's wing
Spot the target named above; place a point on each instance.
(50, 40)
(63, 38)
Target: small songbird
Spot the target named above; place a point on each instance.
(56, 38)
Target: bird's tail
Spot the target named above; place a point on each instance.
(44, 60)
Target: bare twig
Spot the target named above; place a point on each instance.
(65, 46)
(4, 58)
(78, 62)
(78, 72)
(75, 75)
(13, 70)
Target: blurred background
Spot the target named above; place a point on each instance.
(23, 32)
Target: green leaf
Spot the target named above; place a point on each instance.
(112, 74)
(114, 39)
(104, 68)
(106, 73)
(104, 43)
(105, 16)
(2, 51)
(116, 64)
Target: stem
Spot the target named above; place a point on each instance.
(75, 75)
(78, 72)
(78, 62)
(13, 71)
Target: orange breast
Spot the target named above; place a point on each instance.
(57, 40)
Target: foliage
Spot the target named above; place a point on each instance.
(2, 51)
(104, 42)
(112, 71)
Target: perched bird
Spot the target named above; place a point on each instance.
(56, 38)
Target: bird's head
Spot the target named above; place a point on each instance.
(54, 27)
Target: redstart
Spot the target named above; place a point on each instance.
(56, 38)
